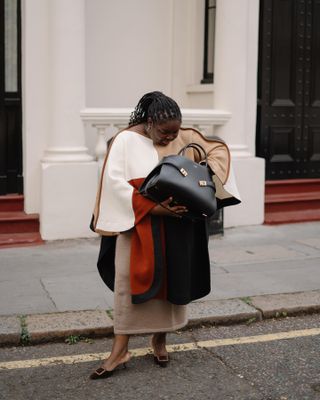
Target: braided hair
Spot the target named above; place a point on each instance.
(157, 106)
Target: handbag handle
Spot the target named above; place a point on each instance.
(197, 147)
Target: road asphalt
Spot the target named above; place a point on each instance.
(53, 291)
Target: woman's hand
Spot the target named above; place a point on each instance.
(164, 209)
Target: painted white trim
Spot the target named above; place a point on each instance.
(195, 47)
(120, 116)
(200, 88)
(66, 155)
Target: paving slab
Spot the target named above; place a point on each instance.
(288, 303)
(249, 253)
(312, 242)
(244, 281)
(9, 330)
(19, 297)
(67, 294)
(54, 326)
(221, 311)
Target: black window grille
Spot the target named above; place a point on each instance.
(209, 39)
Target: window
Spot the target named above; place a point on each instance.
(11, 45)
(209, 38)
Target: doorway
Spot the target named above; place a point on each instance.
(11, 178)
(288, 118)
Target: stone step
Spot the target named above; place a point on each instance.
(18, 222)
(296, 200)
(293, 216)
(16, 227)
(11, 202)
(20, 239)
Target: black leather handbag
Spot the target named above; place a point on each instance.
(189, 183)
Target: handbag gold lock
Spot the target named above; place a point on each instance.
(202, 183)
(183, 172)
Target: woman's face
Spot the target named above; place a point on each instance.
(163, 133)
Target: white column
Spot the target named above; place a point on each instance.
(67, 79)
(235, 90)
(69, 174)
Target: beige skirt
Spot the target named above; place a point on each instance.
(154, 315)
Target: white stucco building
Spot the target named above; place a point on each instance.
(86, 63)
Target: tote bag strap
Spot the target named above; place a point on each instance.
(199, 149)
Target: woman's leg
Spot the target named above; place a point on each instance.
(119, 353)
(158, 342)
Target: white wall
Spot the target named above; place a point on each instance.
(188, 49)
(153, 45)
(53, 96)
(128, 50)
(132, 47)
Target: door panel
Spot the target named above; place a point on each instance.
(314, 53)
(311, 122)
(282, 76)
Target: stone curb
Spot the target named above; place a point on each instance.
(10, 330)
(277, 305)
(218, 312)
(44, 328)
(55, 326)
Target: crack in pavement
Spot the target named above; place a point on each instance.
(222, 361)
(48, 294)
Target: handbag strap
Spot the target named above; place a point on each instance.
(198, 148)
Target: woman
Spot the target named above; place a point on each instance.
(155, 260)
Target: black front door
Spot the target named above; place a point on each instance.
(11, 180)
(288, 119)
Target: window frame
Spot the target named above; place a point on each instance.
(208, 77)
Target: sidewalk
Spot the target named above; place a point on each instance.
(248, 265)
